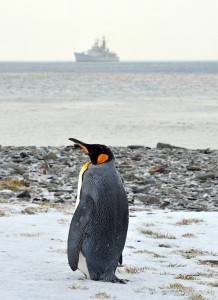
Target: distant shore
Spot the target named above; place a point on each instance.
(165, 177)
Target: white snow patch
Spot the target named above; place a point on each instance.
(34, 260)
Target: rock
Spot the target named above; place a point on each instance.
(50, 155)
(150, 181)
(173, 191)
(137, 157)
(149, 199)
(193, 168)
(164, 204)
(142, 190)
(156, 169)
(6, 194)
(205, 176)
(24, 194)
(163, 146)
(133, 147)
(10, 165)
(23, 154)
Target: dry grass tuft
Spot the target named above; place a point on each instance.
(3, 213)
(210, 262)
(64, 208)
(191, 253)
(176, 265)
(13, 184)
(157, 235)
(185, 277)
(188, 235)
(101, 295)
(189, 221)
(29, 211)
(154, 254)
(196, 296)
(2, 201)
(149, 224)
(185, 290)
(214, 284)
(31, 234)
(63, 221)
(77, 287)
(178, 287)
(134, 270)
(207, 275)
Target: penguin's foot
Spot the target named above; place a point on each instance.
(114, 279)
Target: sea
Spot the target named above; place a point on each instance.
(117, 104)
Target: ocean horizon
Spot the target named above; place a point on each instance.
(118, 104)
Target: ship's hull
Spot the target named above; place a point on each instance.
(82, 57)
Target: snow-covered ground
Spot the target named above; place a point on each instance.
(164, 258)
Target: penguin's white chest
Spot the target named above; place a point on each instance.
(82, 265)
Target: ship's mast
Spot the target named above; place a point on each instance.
(103, 42)
(96, 43)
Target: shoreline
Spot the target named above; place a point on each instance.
(165, 177)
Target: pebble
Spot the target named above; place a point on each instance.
(165, 177)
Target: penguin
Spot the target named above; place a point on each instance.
(99, 225)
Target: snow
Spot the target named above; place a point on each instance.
(34, 261)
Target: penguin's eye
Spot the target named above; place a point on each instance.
(102, 158)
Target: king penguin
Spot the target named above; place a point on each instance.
(99, 225)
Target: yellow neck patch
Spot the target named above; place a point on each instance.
(102, 158)
(84, 168)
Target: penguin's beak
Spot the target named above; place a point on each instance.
(81, 144)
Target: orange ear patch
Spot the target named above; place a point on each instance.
(102, 158)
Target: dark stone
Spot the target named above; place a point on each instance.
(164, 246)
(36, 199)
(23, 154)
(45, 200)
(133, 147)
(193, 168)
(24, 194)
(60, 201)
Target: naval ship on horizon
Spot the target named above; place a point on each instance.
(97, 53)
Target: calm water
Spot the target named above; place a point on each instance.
(111, 103)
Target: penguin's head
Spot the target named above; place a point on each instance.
(98, 154)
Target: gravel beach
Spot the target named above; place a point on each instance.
(163, 177)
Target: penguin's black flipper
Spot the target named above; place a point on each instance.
(80, 220)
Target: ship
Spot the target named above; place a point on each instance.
(97, 53)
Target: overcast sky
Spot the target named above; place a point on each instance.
(135, 29)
